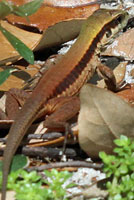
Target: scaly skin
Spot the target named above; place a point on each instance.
(65, 78)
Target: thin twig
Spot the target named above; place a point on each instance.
(67, 164)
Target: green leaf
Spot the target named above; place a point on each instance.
(123, 169)
(19, 162)
(23, 50)
(30, 177)
(130, 195)
(5, 9)
(70, 185)
(5, 74)
(28, 8)
(123, 141)
(103, 155)
(117, 197)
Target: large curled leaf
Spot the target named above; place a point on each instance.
(23, 50)
(103, 117)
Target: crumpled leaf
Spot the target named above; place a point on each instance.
(123, 46)
(103, 117)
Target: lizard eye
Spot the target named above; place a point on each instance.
(108, 33)
(119, 19)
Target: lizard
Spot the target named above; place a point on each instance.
(66, 77)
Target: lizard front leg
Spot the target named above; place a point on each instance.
(107, 74)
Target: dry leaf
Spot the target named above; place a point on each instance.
(127, 93)
(54, 35)
(45, 17)
(66, 3)
(17, 79)
(123, 46)
(49, 15)
(103, 117)
(119, 73)
(94, 192)
(60, 33)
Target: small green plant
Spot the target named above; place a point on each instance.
(27, 186)
(30, 185)
(56, 181)
(120, 167)
(25, 10)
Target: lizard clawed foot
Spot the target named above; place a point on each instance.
(121, 85)
(67, 132)
(107, 74)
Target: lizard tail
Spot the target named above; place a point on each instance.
(18, 130)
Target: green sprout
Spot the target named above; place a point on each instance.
(31, 185)
(120, 167)
(25, 10)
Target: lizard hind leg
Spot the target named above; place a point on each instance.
(64, 108)
(60, 110)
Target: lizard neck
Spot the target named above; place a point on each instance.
(73, 70)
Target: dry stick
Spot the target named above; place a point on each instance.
(67, 164)
(46, 136)
(59, 140)
(43, 152)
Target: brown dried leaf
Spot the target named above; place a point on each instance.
(103, 117)
(123, 46)
(60, 33)
(119, 73)
(66, 3)
(49, 15)
(17, 79)
(127, 93)
(46, 16)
